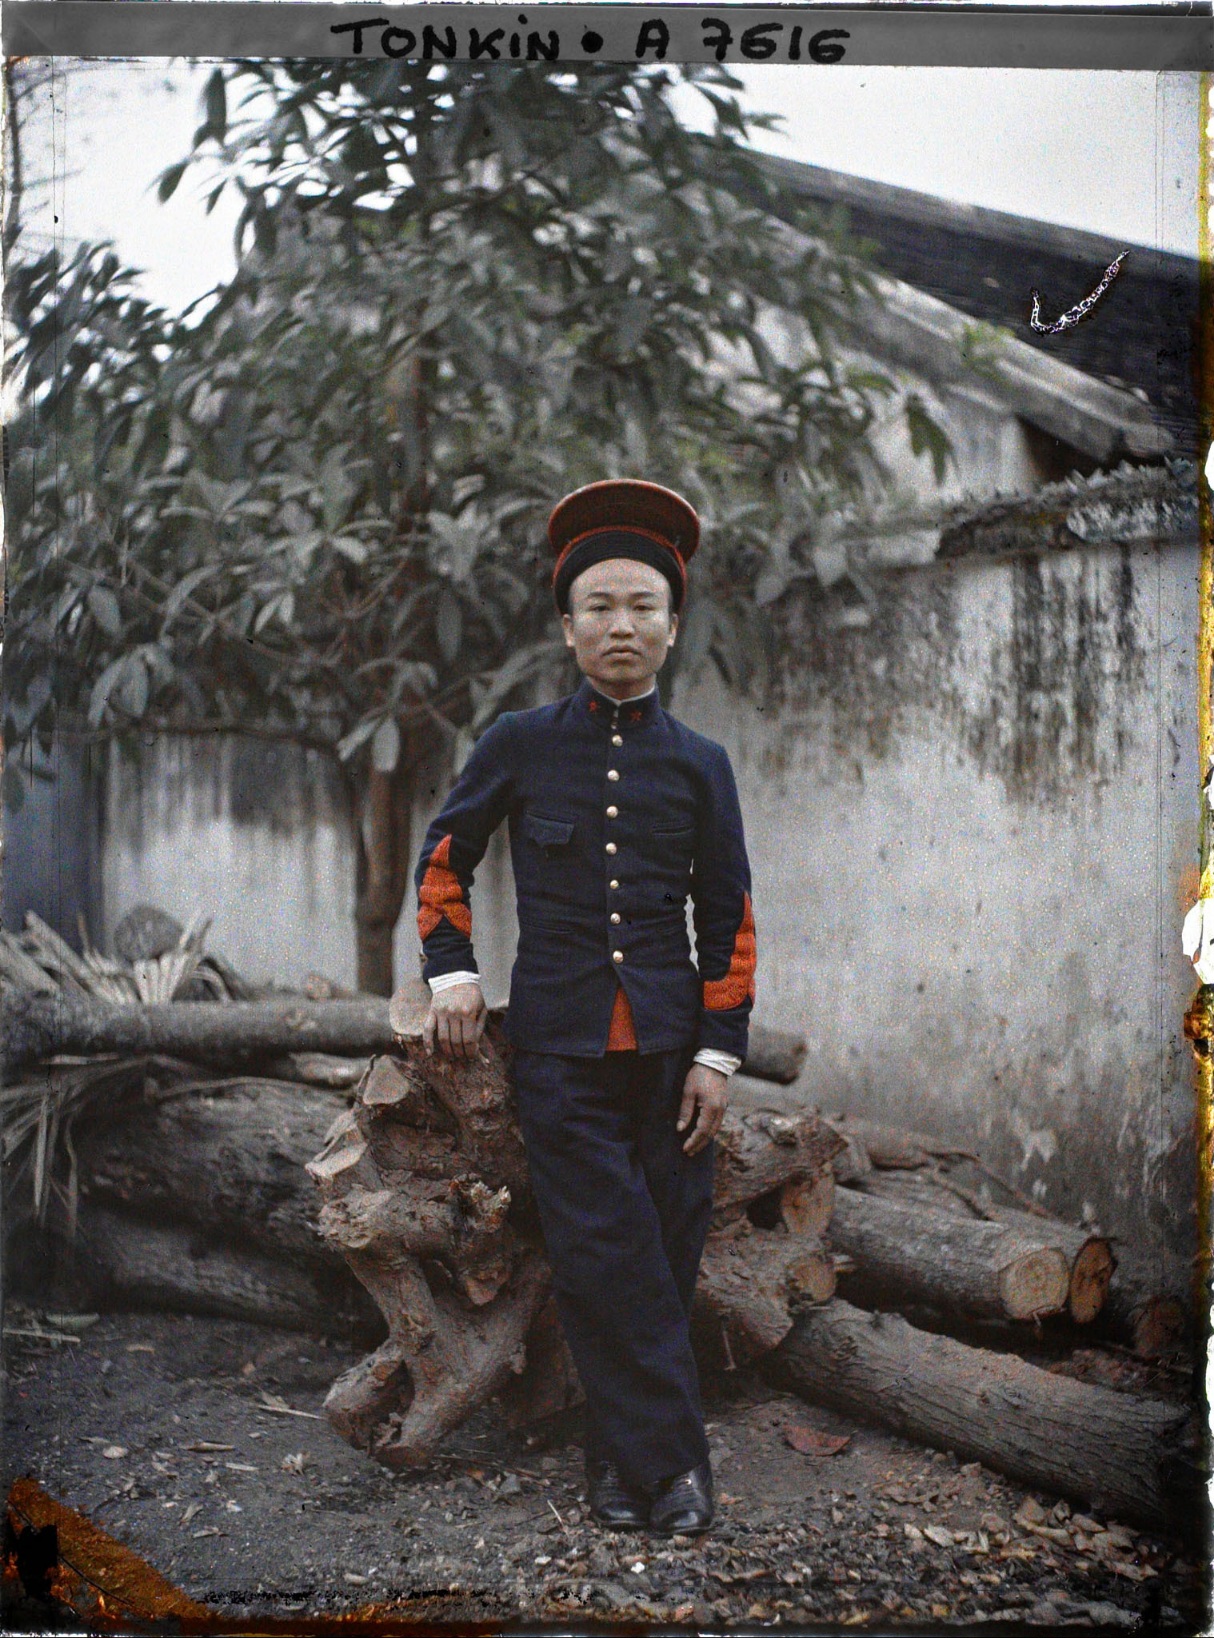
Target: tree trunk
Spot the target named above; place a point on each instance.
(118, 1259)
(229, 1164)
(760, 1153)
(1019, 1270)
(1142, 1311)
(774, 1054)
(233, 1033)
(417, 1181)
(1089, 1258)
(383, 871)
(1130, 1458)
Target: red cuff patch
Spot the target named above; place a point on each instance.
(441, 895)
(738, 985)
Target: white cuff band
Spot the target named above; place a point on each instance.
(725, 1062)
(448, 981)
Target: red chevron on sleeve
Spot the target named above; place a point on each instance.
(441, 895)
(738, 985)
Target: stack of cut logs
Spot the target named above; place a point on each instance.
(307, 1164)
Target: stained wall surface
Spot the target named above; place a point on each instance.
(256, 836)
(973, 826)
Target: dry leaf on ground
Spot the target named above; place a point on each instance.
(810, 1442)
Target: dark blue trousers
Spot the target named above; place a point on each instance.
(625, 1214)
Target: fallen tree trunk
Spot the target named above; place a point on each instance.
(118, 1259)
(1089, 1257)
(774, 1054)
(962, 1265)
(35, 1026)
(227, 1161)
(1129, 1458)
(758, 1153)
(233, 1033)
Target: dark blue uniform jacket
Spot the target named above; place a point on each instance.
(617, 814)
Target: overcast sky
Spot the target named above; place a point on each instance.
(1115, 153)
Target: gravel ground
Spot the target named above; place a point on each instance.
(170, 1433)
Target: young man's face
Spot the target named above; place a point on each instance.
(620, 625)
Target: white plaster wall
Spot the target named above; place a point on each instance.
(990, 451)
(968, 890)
(280, 889)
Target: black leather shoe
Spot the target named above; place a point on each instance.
(614, 1502)
(683, 1506)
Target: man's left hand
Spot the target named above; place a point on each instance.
(705, 1095)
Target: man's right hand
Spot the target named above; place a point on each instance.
(456, 1021)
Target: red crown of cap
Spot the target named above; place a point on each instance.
(626, 503)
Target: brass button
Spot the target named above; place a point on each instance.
(612, 774)
(611, 847)
(615, 918)
(613, 884)
(617, 955)
(617, 739)
(613, 813)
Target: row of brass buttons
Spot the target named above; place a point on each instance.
(613, 813)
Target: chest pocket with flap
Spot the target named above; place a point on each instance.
(550, 865)
(551, 834)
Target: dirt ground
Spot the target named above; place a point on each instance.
(174, 1435)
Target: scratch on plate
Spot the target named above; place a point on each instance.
(1072, 316)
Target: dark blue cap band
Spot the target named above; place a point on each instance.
(607, 543)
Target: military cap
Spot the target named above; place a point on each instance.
(622, 517)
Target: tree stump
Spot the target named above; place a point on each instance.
(426, 1196)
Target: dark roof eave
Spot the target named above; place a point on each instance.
(984, 263)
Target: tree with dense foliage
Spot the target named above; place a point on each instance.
(312, 509)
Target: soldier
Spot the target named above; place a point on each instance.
(623, 1046)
